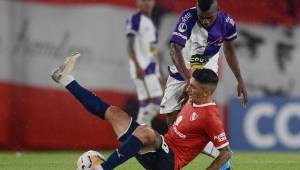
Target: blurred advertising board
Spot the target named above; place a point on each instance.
(266, 124)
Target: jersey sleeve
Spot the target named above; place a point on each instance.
(183, 28)
(216, 133)
(133, 24)
(230, 25)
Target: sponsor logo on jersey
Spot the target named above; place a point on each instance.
(178, 133)
(182, 27)
(221, 137)
(186, 17)
(178, 120)
(198, 61)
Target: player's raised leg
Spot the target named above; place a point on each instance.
(119, 120)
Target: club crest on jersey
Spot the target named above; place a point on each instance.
(230, 21)
(194, 116)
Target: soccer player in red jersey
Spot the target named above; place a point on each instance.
(198, 123)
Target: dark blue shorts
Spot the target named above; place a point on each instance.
(161, 159)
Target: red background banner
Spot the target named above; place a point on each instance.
(254, 11)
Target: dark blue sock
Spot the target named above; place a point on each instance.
(129, 149)
(89, 100)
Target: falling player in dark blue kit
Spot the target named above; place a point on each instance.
(198, 123)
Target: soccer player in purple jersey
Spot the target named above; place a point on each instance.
(144, 67)
(195, 43)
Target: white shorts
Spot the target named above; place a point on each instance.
(148, 88)
(174, 89)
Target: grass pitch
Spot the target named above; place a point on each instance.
(67, 161)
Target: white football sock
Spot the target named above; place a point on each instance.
(66, 80)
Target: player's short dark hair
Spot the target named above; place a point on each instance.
(205, 5)
(205, 76)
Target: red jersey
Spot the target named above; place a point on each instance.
(194, 127)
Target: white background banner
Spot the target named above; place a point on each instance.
(34, 38)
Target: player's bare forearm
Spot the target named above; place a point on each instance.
(162, 78)
(224, 156)
(233, 63)
(177, 58)
(130, 49)
(232, 60)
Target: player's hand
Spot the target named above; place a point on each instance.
(242, 92)
(139, 72)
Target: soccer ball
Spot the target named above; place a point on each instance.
(88, 160)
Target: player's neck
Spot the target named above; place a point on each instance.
(204, 100)
(148, 14)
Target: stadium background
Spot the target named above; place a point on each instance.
(35, 36)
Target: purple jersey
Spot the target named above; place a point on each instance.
(201, 44)
(144, 30)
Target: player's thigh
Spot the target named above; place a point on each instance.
(153, 86)
(141, 90)
(119, 119)
(172, 93)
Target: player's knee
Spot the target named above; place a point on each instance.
(114, 109)
(112, 112)
(145, 133)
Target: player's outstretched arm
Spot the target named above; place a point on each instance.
(224, 156)
(233, 63)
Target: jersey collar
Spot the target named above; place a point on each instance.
(203, 105)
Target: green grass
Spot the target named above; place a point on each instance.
(67, 160)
